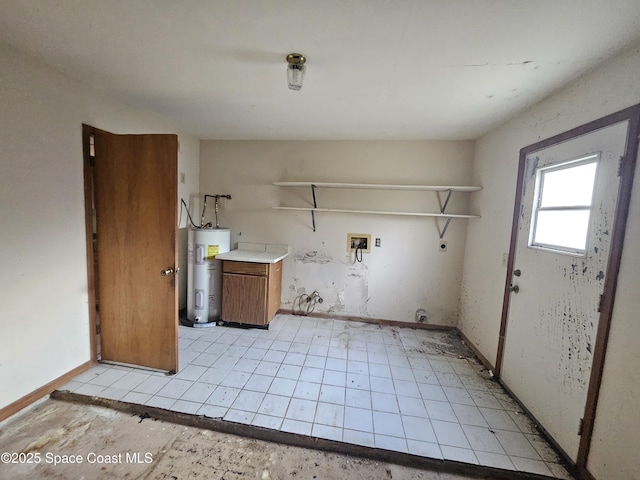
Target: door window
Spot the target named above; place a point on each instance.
(562, 206)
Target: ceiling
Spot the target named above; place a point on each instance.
(377, 69)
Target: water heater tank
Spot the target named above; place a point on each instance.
(204, 282)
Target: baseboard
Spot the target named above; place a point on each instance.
(486, 363)
(377, 321)
(28, 399)
(395, 323)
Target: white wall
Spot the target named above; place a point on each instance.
(405, 273)
(44, 320)
(189, 165)
(610, 88)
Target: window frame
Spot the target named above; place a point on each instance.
(540, 172)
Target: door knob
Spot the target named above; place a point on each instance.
(166, 271)
(517, 272)
(514, 288)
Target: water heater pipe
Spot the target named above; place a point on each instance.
(204, 207)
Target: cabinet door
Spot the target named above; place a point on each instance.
(244, 299)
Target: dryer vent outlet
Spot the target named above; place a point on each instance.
(421, 315)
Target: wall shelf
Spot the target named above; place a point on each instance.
(381, 186)
(371, 186)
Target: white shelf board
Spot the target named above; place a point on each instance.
(378, 212)
(379, 186)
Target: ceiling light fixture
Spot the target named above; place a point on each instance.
(296, 69)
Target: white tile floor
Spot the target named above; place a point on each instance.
(384, 387)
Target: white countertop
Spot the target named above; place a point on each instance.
(256, 253)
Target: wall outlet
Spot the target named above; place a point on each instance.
(359, 241)
(442, 246)
(377, 242)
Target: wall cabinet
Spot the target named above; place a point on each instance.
(250, 292)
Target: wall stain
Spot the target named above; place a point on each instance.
(567, 325)
(312, 257)
(530, 171)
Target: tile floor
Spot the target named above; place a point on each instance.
(387, 387)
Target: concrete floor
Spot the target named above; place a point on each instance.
(106, 443)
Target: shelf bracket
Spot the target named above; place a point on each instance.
(444, 230)
(443, 207)
(446, 201)
(313, 213)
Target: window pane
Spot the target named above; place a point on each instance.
(562, 228)
(568, 186)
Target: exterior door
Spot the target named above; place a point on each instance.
(135, 191)
(554, 304)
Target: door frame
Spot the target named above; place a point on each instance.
(627, 170)
(87, 132)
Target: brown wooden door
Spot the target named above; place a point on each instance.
(135, 198)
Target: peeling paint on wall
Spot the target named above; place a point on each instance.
(343, 283)
(338, 305)
(312, 257)
(356, 288)
(403, 270)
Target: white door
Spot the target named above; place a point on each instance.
(561, 256)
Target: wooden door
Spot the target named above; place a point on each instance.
(135, 189)
(554, 305)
